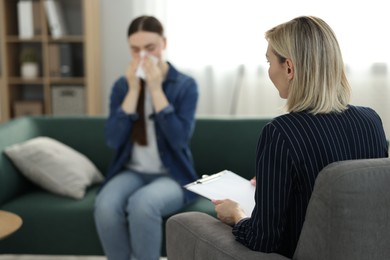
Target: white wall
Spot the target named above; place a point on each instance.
(115, 18)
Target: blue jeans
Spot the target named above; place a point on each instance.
(128, 214)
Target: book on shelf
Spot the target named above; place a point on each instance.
(55, 18)
(25, 19)
(37, 14)
(54, 60)
(61, 60)
(66, 60)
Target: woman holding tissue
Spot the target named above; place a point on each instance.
(306, 67)
(150, 123)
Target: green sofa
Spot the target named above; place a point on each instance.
(58, 225)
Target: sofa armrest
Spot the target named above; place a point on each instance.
(198, 236)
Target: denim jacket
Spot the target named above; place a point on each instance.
(174, 127)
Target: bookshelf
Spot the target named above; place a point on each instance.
(1, 70)
(1, 78)
(68, 79)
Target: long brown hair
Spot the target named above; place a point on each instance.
(147, 24)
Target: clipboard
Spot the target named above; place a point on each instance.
(226, 185)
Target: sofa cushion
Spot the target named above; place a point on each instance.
(54, 166)
(53, 225)
(233, 146)
(12, 182)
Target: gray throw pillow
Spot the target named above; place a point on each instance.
(54, 166)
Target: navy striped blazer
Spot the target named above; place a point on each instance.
(291, 151)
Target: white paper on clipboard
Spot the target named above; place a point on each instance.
(226, 185)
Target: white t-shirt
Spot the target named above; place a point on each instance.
(146, 158)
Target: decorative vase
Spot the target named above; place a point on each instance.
(29, 70)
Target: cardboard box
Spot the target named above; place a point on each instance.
(27, 108)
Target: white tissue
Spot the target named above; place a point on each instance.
(140, 71)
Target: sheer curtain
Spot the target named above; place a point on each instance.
(221, 44)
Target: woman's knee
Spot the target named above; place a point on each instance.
(155, 200)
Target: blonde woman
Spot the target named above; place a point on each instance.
(306, 67)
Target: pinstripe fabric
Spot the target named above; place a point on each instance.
(291, 151)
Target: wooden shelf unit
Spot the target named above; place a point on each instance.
(82, 20)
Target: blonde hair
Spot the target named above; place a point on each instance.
(319, 84)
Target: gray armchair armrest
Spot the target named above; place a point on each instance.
(198, 236)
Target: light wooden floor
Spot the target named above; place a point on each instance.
(48, 257)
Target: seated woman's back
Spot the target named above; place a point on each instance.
(299, 145)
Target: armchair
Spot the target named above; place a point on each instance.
(348, 217)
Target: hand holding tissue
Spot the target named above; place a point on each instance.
(140, 71)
